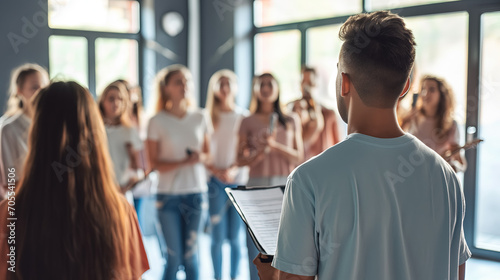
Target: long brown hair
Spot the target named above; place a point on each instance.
(445, 107)
(17, 79)
(124, 117)
(163, 78)
(213, 103)
(72, 222)
(255, 103)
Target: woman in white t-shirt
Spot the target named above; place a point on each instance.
(226, 119)
(178, 148)
(25, 82)
(123, 139)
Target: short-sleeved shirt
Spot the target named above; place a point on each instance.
(424, 129)
(373, 208)
(14, 143)
(175, 135)
(274, 164)
(137, 259)
(224, 142)
(119, 136)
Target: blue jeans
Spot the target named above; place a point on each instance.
(180, 217)
(225, 224)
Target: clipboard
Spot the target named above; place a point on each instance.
(248, 219)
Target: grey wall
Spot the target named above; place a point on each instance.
(24, 37)
(25, 33)
(178, 44)
(217, 40)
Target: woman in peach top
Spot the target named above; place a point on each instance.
(70, 220)
(432, 120)
(270, 143)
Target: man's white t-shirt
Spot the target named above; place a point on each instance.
(373, 208)
(119, 136)
(224, 143)
(175, 135)
(14, 144)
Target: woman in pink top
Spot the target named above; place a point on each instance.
(270, 143)
(432, 120)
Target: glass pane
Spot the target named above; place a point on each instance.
(96, 15)
(116, 59)
(68, 58)
(488, 192)
(323, 48)
(271, 12)
(374, 5)
(442, 51)
(283, 62)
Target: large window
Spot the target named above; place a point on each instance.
(94, 50)
(279, 61)
(68, 58)
(95, 15)
(445, 48)
(488, 195)
(271, 12)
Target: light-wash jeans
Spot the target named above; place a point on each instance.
(180, 217)
(225, 223)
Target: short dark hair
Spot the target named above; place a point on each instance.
(379, 51)
(306, 68)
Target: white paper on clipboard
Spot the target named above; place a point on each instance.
(260, 209)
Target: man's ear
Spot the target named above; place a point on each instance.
(345, 86)
(406, 88)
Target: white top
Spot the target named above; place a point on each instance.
(119, 136)
(14, 144)
(373, 208)
(175, 135)
(224, 143)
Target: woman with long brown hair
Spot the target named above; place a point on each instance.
(71, 221)
(270, 143)
(432, 119)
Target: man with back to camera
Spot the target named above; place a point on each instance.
(379, 205)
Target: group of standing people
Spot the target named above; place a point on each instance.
(196, 153)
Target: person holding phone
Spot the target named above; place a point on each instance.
(178, 148)
(270, 143)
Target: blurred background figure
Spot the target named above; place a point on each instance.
(123, 139)
(25, 82)
(270, 143)
(432, 121)
(178, 148)
(226, 117)
(319, 124)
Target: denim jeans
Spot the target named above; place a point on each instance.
(225, 224)
(180, 217)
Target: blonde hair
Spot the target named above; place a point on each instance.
(17, 79)
(124, 117)
(212, 104)
(163, 78)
